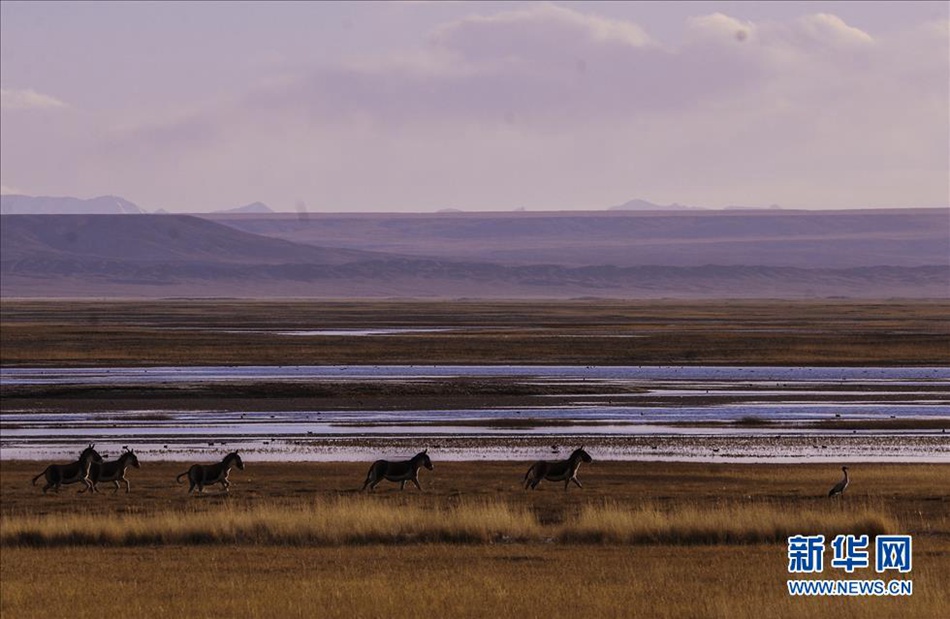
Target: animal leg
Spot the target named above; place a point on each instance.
(402, 485)
(416, 482)
(128, 488)
(574, 479)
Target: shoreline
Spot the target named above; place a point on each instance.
(931, 448)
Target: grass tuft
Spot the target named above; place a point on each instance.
(725, 524)
(364, 520)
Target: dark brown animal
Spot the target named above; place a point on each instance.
(403, 471)
(58, 475)
(201, 475)
(557, 470)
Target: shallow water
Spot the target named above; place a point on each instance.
(820, 375)
(642, 425)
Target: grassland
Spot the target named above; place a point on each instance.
(298, 540)
(192, 332)
(361, 520)
(295, 540)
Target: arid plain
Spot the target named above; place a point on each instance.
(298, 539)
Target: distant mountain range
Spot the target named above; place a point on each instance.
(113, 205)
(643, 205)
(253, 207)
(773, 238)
(46, 205)
(11, 204)
(187, 256)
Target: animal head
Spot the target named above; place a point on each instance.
(426, 462)
(131, 458)
(583, 455)
(236, 459)
(90, 453)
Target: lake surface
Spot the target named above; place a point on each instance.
(676, 413)
(931, 375)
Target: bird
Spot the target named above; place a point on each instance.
(841, 485)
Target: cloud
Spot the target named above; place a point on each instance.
(522, 104)
(192, 129)
(830, 29)
(718, 27)
(28, 99)
(541, 64)
(546, 29)
(548, 64)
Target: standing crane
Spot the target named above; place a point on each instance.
(841, 485)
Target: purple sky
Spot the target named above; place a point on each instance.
(418, 106)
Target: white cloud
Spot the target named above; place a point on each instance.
(832, 29)
(720, 28)
(546, 107)
(547, 28)
(552, 64)
(28, 99)
(545, 66)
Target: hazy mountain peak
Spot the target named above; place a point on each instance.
(253, 207)
(12, 204)
(644, 205)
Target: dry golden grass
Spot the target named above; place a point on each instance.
(433, 580)
(360, 520)
(349, 520)
(687, 523)
(293, 547)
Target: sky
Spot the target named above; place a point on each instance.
(482, 106)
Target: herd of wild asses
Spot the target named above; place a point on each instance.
(90, 469)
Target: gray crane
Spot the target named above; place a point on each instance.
(841, 485)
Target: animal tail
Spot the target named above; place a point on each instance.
(40, 475)
(528, 474)
(178, 479)
(369, 475)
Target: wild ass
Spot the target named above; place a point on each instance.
(113, 471)
(201, 475)
(557, 470)
(403, 471)
(58, 475)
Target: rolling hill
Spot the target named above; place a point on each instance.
(778, 238)
(554, 256)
